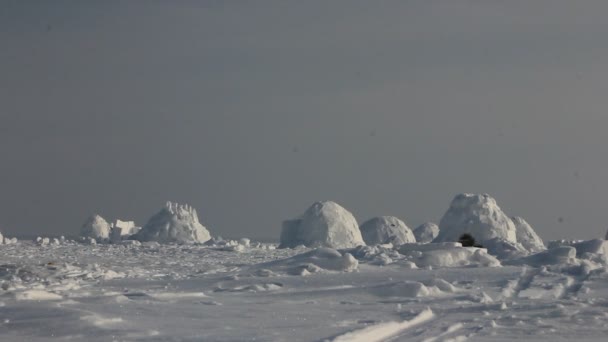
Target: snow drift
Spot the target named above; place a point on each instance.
(324, 224)
(426, 232)
(174, 223)
(447, 254)
(312, 262)
(386, 229)
(95, 227)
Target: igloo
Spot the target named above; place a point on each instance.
(324, 224)
(174, 223)
(386, 229)
(95, 227)
(426, 232)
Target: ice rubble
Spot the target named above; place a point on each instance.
(480, 216)
(426, 232)
(324, 224)
(95, 227)
(174, 223)
(386, 229)
(312, 262)
(120, 230)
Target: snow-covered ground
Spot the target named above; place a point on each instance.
(152, 292)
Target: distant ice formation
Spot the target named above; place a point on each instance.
(174, 223)
(1, 239)
(324, 224)
(480, 216)
(386, 229)
(95, 227)
(426, 232)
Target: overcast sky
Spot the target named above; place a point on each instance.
(252, 110)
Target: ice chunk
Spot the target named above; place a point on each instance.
(386, 229)
(324, 224)
(174, 223)
(426, 232)
(95, 227)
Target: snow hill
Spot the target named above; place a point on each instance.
(386, 229)
(174, 223)
(324, 224)
(426, 232)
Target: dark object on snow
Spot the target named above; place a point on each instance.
(467, 240)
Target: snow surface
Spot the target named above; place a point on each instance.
(174, 223)
(95, 227)
(426, 232)
(386, 229)
(526, 236)
(324, 224)
(132, 291)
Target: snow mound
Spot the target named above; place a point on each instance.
(174, 223)
(386, 229)
(95, 227)
(477, 215)
(555, 256)
(426, 232)
(1, 239)
(324, 224)
(526, 236)
(312, 262)
(595, 246)
(448, 255)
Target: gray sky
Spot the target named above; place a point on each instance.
(250, 111)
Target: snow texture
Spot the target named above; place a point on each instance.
(448, 254)
(526, 236)
(312, 262)
(555, 256)
(426, 232)
(386, 229)
(95, 227)
(174, 223)
(324, 224)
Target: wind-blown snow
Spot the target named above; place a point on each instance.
(174, 223)
(426, 232)
(386, 229)
(95, 227)
(324, 224)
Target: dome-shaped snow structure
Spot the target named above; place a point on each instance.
(324, 224)
(426, 232)
(174, 223)
(386, 229)
(526, 236)
(477, 215)
(95, 227)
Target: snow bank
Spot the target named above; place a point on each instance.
(595, 246)
(313, 261)
(526, 236)
(553, 256)
(426, 232)
(174, 223)
(386, 229)
(95, 227)
(324, 224)
(449, 254)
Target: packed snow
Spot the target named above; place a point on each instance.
(173, 287)
(174, 223)
(386, 229)
(324, 224)
(426, 232)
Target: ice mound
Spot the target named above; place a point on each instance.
(95, 227)
(386, 229)
(477, 215)
(174, 223)
(324, 224)
(526, 236)
(448, 254)
(313, 261)
(426, 232)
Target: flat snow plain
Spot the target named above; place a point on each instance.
(154, 292)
